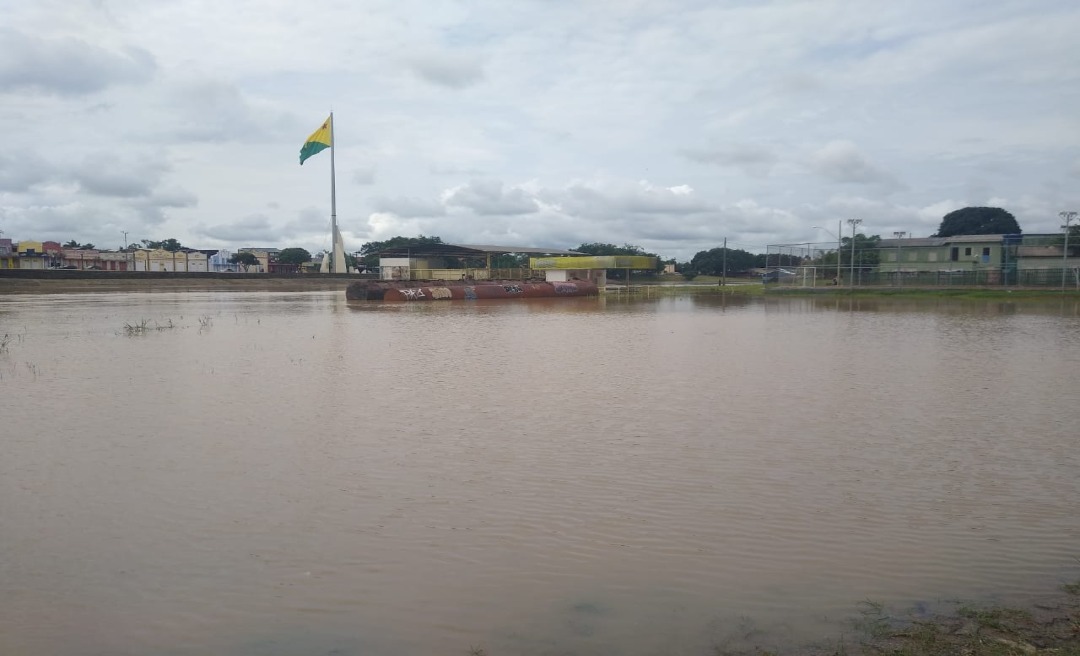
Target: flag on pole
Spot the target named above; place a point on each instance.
(319, 140)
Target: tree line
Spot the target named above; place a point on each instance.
(965, 221)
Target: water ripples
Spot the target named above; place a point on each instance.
(527, 476)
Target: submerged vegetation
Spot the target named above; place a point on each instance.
(143, 326)
(1048, 626)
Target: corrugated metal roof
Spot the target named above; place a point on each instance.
(941, 241)
(518, 249)
(466, 250)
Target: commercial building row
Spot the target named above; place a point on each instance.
(41, 255)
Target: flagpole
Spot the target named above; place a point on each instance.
(335, 266)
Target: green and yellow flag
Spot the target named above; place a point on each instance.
(319, 140)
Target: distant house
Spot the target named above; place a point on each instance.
(263, 255)
(159, 259)
(941, 254)
(32, 255)
(7, 254)
(1047, 251)
(80, 258)
(218, 261)
(52, 252)
(987, 259)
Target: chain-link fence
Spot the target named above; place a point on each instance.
(1035, 263)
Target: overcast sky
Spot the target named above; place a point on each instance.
(667, 125)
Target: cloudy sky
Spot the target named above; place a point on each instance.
(664, 124)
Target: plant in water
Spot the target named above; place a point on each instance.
(4, 341)
(138, 328)
(874, 622)
(994, 618)
(143, 326)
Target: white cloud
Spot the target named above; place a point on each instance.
(671, 126)
(487, 197)
(254, 228)
(753, 159)
(67, 65)
(843, 162)
(448, 69)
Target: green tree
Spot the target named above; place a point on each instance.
(244, 259)
(74, 244)
(510, 261)
(172, 245)
(297, 256)
(763, 260)
(978, 221)
(866, 251)
(369, 252)
(711, 262)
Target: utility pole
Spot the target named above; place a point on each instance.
(125, 245)
(1068, 218)
(899, 234)
(723, 278)
(839, 244)
(854, 223)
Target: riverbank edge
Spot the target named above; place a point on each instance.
(1045, 625)
(1048, 624)
(68, 282)
(931, 292)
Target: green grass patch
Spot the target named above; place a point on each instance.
(951, 293)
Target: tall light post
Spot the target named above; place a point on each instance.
(1067, 217)
(899, 234)
(839, 245)
(854, 223)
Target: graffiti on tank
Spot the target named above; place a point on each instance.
(565, 287)
(470, 293)
(412, 294)
(439, 293)
(512, 289)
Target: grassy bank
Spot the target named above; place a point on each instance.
(674, 287)
(957, 293)
(1049, 625)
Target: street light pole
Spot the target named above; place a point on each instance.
(854, 223)
(1068, 218)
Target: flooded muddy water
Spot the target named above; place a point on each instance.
(286, 473)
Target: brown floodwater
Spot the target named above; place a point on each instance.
(289, 473)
